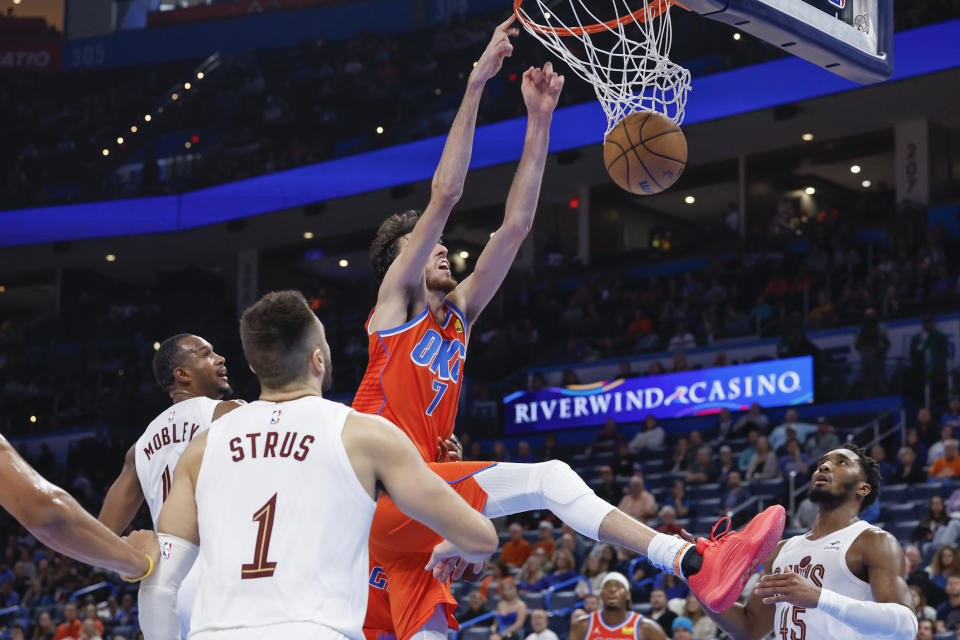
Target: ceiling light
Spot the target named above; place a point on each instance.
(866, 184)
(807, 137)
(689, 199)
(379, 130)
(200, 75)
(546, 14)
(855, 169)
(308, 235)
(175, 96)
(809, 191)
(187, 145)
(147, 118)
(105, 152)
(187, 86)
(492, 233)
(464, 254)
(2, 288)
(33, 418)
(156, 346)
(111, 257)
(133, 129)
(119, 140)
(736, 36)
(344, 263)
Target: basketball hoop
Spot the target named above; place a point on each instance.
(630, 73)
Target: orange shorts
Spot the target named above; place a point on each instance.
(402, 596)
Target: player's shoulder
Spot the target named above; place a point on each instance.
(874, 538)
(650, 629)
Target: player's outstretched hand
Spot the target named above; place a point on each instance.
(497, 50)
(449, 450)
(541, 89)
(446, 563)
(788, 587)
(145, 541)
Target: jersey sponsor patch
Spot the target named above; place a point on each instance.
(833, 546)
(458, 325)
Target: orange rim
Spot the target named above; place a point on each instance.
(641, 15)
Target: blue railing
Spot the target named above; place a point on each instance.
(469, 623)
(566, 583)
(632, 569)
(94, 587)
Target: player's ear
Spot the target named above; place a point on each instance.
(864, 489)
(317, 362)
(181, 374)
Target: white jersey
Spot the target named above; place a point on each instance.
(159, 448)
(823, 562)
(284, 524)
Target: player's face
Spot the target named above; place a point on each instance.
(437, 272)
(838, 478)
(614, 596)
(207, 369)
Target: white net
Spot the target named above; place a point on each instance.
(624, 56)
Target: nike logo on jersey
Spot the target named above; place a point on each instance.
(443, 357)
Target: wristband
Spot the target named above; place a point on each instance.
(144, 576)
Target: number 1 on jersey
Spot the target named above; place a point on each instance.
(260, 567)
(440, 388)
(165, 479)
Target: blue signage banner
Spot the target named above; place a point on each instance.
(771, 383)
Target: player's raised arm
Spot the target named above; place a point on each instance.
(58, 521)
(179, 533)
(541, 90)
(124, 497)
(380, 451)
(448, 180)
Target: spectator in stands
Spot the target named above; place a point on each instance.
(755, 417)
(524, 454)
(917, 575)
(71, 627)
(791, 427)
(764, 464)
(655, 369)
(695, 441)
(736, 495)
(925, 630)
(609, 439)
(539, 624)
(914, 443)
(928, 355)
(702, 469)
(476, 608)
(936, 450)
(947, 465)
(651, 437)
(921, 609)
(90, 631)
(668, 521)
(569, 541)
(678, 499)
(593, 572)
(609, 489)
(499, 573)
(682, 339)
(532, 578)
(935, 519)
(822, 316)
(822, 442)
(511, 612)
(794, 460)
(546, 541)
(703, 627)
(624, 462)
(516, 550)
(878, 453)
(17, 633)
(563, 567)
(476, 452)
(45, 629)
(945, 562)
(659, 612)
(680, 363)
(638, 502)
(926, 430)
(949, 611)
(679, 457)
(8, 597)
(872, 343)
(551, 448)
(725, 464)
(499, 452)
(682, 628)
(951, 417)
(724, 427)
(90, 613)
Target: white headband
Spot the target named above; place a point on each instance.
(616, 577)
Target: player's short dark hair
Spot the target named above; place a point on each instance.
(167, 358)
(384, 248)
(871, 471)
(278, 336)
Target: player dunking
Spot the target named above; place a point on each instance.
(843, 579)
(195, 377)
(417, 339)
(615, 619)
(279, 496)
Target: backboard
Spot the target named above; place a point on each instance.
(852, 38)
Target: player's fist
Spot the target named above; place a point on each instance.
(496, 52)
(449, 450)
(146, 543)
(541, 89)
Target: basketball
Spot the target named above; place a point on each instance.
(645, 153)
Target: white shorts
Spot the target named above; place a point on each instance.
(298, 630)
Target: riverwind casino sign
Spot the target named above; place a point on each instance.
(772, 383)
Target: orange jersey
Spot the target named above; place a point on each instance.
(413, 377)
(629, 629)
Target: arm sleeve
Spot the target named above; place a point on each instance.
(159, 616)
(889, 620)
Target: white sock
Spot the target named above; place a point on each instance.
(665, 552)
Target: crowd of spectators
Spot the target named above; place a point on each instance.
(265, 111)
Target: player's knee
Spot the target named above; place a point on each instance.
(561, 484)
